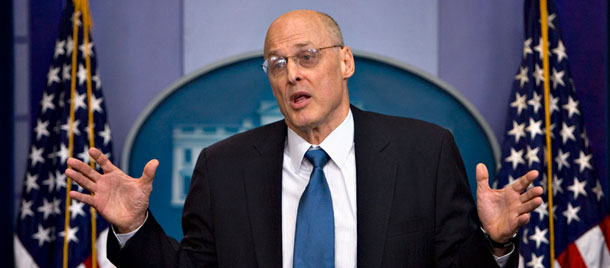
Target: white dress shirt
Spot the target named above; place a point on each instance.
(340, 173)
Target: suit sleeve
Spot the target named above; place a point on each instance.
(458, 240)
(151, 247)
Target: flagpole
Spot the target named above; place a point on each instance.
(86, 27)
(547, 122)
(70, 131)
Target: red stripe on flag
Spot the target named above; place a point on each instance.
(571, 258)
(605, 226)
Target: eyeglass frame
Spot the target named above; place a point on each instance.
(265, 64)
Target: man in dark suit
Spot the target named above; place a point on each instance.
(388, 192)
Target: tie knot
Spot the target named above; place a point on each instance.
(317, 157)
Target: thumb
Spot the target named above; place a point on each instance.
(149, 171)
(482, 176)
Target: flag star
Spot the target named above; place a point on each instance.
(571, 106)
(519, 103)
(89, 128)
(84, 155)
(550, 19)
(557, 185)
(53, 75)
(96, 104)
(61, 99)
(567, 133)
(557, 78)
(532, 155)
(69, 46)
(560, 51)
(80, 188)
(561, 159)
(41, 129)
(66, 72)
(524, 237)
(76, 209)
(36, 155)
(43, 235)
(583, 135)
(554, 104)
(599, 192)
(511, 180)
(62, 153)
(59, 48)
(81, 74)
(75, 130)
(552, 127)
(47, 102)
(539, 236)
(96, 79)
(77, 17)
(536, 262)
(30, 182)
(522, 76)
(106, 134)
(583, 161)
(71, 234)
(50, 182)
(578, 188)
(543, 183)
(26, 209)
(46, 209)
(534, 128)
(527, 47)
(571, 213)
(56, 204)
(518, 131)
(538, 75)
(538, 48)
(86, 50)
(542, 210)
(60, 180)
(516, 157)
(51, 156)
(535, 102)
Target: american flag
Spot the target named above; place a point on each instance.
(40, 233)
(581, 225)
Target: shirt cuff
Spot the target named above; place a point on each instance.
(502, 260)
(123, 238)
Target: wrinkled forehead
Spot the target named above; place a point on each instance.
(288, 34)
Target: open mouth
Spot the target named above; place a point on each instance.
(299, 97)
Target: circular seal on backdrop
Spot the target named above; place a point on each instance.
(234, 95)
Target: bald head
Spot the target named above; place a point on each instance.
(319, 21)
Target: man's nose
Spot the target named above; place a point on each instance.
(293, 71)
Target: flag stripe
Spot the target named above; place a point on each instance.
(592, 248)
(571, 258)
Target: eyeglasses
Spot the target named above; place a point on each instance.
(276, 65)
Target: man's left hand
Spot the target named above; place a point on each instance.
(503, 211)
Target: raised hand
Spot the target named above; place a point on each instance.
(503, 211)
(119, 198)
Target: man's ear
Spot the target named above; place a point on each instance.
(347, 62)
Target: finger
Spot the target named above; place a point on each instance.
(102, 160)
(482, 176)
(85, 198)
(149, 171)
(529, 206)
(523, 219)
(522, 183)
(83, 168)
(531, 193)
(81, 180)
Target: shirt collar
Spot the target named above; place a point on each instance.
(337, 145)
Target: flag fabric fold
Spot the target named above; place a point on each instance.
(71, 112)
(580, 227)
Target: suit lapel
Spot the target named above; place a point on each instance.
(375, 179)
(263, 184)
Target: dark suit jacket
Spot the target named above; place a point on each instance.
(413, 203)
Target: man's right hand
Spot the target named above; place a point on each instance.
(119, 198)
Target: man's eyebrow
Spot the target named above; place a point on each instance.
(298, 45)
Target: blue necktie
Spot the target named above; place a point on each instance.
(314, 239)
